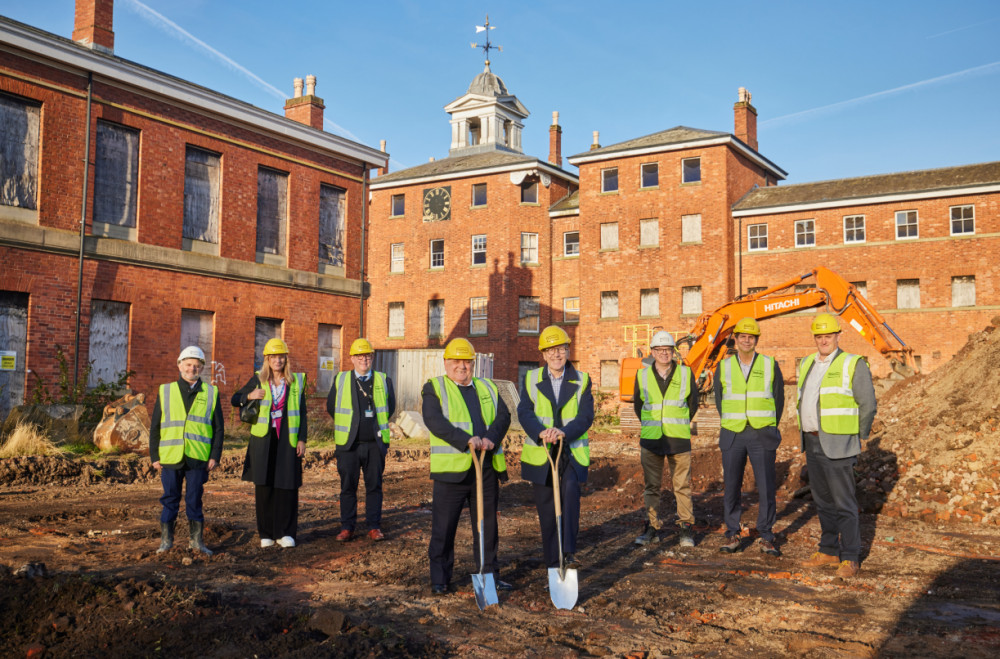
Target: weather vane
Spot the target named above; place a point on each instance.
(487, 46)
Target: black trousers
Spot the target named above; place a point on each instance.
(569, 490)
(173, 480)
(449, 500)
(745, 445)
(277, 512)
(363, 457)
(833, 490)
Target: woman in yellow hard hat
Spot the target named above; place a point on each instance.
(277, 443)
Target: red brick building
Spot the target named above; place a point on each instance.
(206, 220)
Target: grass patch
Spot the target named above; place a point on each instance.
(27, 440)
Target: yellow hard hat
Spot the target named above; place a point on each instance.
(552, 336)
(747, 325)
(275, 347)
(361, 347)
(824, 323)
(459, 349)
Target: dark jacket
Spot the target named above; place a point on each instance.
(769, 437)
(665, 445)
(574, 429)
(188, 393)
(272, 460)
(371, 430)
(440, 427)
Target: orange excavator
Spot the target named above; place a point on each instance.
(708, 342)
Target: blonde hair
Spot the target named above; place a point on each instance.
(264, 375)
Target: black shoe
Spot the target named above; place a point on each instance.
(502, 585)
(570, 562)
(439, 589)
(732, 545)
(648, 535)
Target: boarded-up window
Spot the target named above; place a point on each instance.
(609, 374)
(527, 313)
(963, 291)
(609, 304)
(264, 329)
(19, 124)
(571, 309)
(116, 174)
(197, 330)
(609, 235)
(649, 302)
(202, 176)
(272, 211)
(332, 212)
(435, 318)
(691, 299)
(13, 345)
(328, 345)
(691, 228)
(397, 317)
(477, 316)
(649, 233)
(522, 371)
(907, 293)
(862, 287)
(396, 257)
(108, 341)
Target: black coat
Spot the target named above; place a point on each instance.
(271, 460)
(359, 409)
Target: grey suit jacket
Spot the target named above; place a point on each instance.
(846, 446)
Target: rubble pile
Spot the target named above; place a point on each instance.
(934, 450)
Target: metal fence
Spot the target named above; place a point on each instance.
(411, 368)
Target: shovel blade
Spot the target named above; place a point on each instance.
(485, 589)
(563, 588)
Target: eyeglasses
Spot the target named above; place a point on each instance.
(365, 356)
(555, 350)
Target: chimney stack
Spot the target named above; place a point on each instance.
(382, 171)
(555, 141)
(306, 109)
(745, 120)
(596, 144)
(93, 24)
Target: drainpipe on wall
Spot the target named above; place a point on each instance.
(364, 216)
(83, 232)
(739, 292)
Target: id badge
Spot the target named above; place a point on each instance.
(276, 414)
(369, 413)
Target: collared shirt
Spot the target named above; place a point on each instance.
(746, 367)
(809, 405)
(557, 382)
(363, 377)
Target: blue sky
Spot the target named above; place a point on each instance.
(842, 88)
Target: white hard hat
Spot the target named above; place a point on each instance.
(662, 339)
(192, 352)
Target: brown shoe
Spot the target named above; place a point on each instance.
(344, 535)
(376, 535)
(819, 559)
(848, 569)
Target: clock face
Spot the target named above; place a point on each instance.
(437, 204)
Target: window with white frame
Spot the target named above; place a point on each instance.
(854, 228)
(202, 179)
(805, 233)
(609, 235)
(649, 302)
(649, 233)
(527, 313)
(479, 249)
(609, 374)
(272, 211)
(609, 179)
(963, 291)
(571, 309)
(397, 205)
(116, 174)
(529, 192)
(529, 248)
(690, 300)
(479, 194)
(862, 287)
(19, 139)
(650, 175)
(757, 237)
(396, 257)
(435, 318)
(691, 228)
(571, 243)
(437, 254)
(963, 219)
(907, 293)
(906, 225)
(477, 316)
(397, 319)
(691, 170)
(609, 304)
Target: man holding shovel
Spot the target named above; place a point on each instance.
(464, 414)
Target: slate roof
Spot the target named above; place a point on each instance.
(846, 189)
(570, 202)
(459, 164)
(675, 135)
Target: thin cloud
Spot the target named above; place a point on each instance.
(966, 27)
(833, 107)
(166, 25)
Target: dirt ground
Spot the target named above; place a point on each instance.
(79, 575)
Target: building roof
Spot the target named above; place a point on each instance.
(568, 205)
(675, 135)
(459, 165)
(487, 83)
(851, 190)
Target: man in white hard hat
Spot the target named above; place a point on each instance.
(665, 399)
(185, 443)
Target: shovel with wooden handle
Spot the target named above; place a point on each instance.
(563, 586)
(482, 584)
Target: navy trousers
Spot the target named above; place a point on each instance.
(832, 485)
(173, 481)
(367, 458)
(747, 444)
(569, 490)
(446, 510)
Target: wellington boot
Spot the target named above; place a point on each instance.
(197, 528)
(166, 536)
